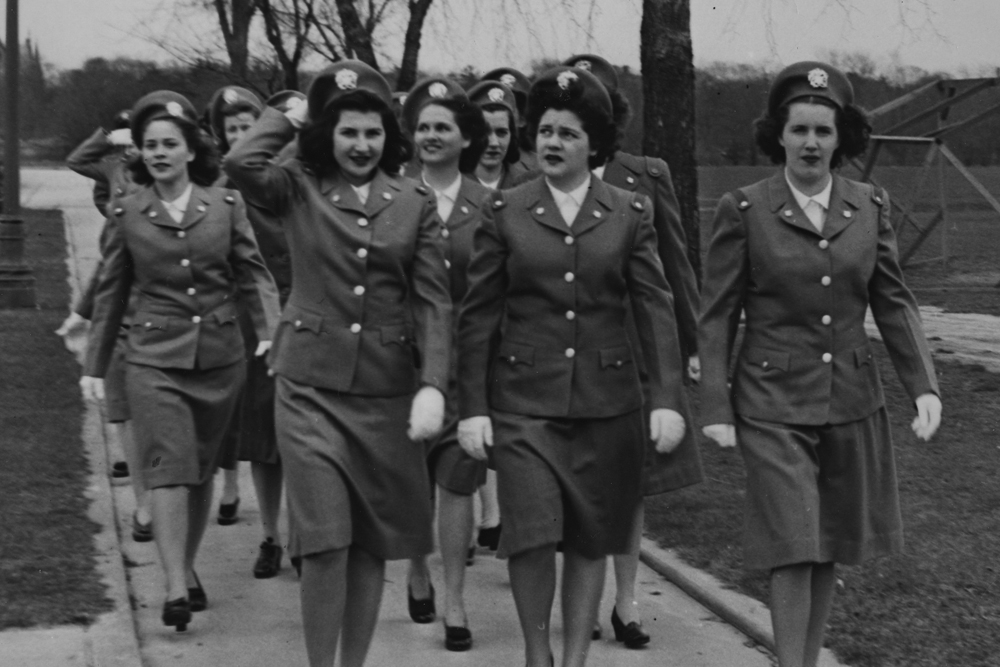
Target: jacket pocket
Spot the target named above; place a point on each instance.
(226, 314)
(146, 322)
(397, 334)
(515, 354)
(302, 321)
(768, 359)
(863, 355)
(616, 357)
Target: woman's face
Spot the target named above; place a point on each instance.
(236, 126)
(563, 146)
(358, 143)
(437, 136)
(165, 151)
(809, 139)
(499, 138)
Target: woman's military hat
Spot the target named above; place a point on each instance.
(286, 100)
(514, 80)
(570, 87)
(809, 79)
(493, 92)
(427, 91)
(598, 66)
(159, 105)
(227, 101)
(342, 78)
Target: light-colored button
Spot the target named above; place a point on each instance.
(825, 281)
(362, 222)
(362, 252)
(630, 180)
(445, 233)
(540, 210)
(824, 244)
(196, 319)
(336, 198)
(447, 264)
(190, 291)
(386, 196)
(847, 214)
(201, 209)
(181, 234)
(618, 363)
(298, 323)
(512, 358)
(765, 364)
(568, 240)
(788, 212)
(465, 209)
(827, 357)
(152, 214)
(570, 353)
(597, 214)
(355, 328)
(827, 319)
(569, 277)
(185, 262)
(359, 290)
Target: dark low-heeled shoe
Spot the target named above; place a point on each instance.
(631, 634)
(177, 613)
(197, 598)
(489, 537)
(141, 532)
(457, 638)
(119, 469)
(595, 634)
(268, 560)
(470, 556)
(421, 611)
(228, 513)
(296, 562)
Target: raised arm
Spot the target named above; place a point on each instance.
(251, 166)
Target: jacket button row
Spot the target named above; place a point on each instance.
(190, 291)
(298, 323)
(568, 240)
(827, 357)
(570, 315)
(196, 319)
(570, 353)
(359, 290)
(825, 281)
(827, 319)
(181, 234)
(362, 252)
(824, 244)
(445, 233)
(569, 277)
(185, 262)
(355, 328)
(447, 264)
(362, 222)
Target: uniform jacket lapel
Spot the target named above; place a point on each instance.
(196, 209)
(544, 210)
(784, 205)
(621, 175)
(340, 194)
(845, 201)
(465, 206)
(595, 209)
(383, 192)
(152, 208)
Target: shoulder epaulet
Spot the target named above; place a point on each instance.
(878, 195)
(498, 201)
(230, 199)
(422, 189)
(654, 167)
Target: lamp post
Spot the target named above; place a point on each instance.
(17, 284)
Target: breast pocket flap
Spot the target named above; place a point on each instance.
(863, 355)
(398, 334)
(150, 322)
(304, 321)
(226, 314)
(616, 357)
(768, 359)
(515, 354)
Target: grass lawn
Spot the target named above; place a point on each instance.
(47, 573)
(938, 603)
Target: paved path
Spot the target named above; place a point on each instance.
(251, 622)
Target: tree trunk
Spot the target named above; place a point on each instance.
(668, 105)
(357, 40)
(411, 45)
(236, 32)
(299, 29)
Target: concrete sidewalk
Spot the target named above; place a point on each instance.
(257, 622)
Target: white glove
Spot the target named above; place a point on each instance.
(298, 115)
(74, 330)
(262, 348)
(667, 428)
(928, 418)
(92, 388)
(426, 413)
(723, 434)
(475, 434)
(122, 137)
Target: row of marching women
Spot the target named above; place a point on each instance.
(396, 304)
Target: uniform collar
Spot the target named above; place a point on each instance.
(822, 197)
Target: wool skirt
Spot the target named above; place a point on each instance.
(819, 494)
(449, 466)
(180, 418)
(575, 481)
(353, 476)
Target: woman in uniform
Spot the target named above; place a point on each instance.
(499, 167)
(187, 249)
(663, 472)
(804, 254)
(362, 347)
(519, 85)
(546, 371)
(450, 134)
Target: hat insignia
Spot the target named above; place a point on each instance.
(584, 65)
(231, 96)
(175, 109)
(818, 78)
(508, 80)
(293, 103)
(495, 95)
(346, 79)
(437, 90)
(565, 78)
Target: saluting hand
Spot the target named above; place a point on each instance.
(667, 428)
(92, 388)
(723, 434)
(928, 418)
(426, 413)
(475, 434)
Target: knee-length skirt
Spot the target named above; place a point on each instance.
(818, 494)
(353, 476)
(450, 467)
(179, 418)
(116, 404)
(578, 481)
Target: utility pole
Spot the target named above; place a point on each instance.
(17, 284)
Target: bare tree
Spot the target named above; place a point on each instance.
(411, 43)
(235, 17)
(287, 24)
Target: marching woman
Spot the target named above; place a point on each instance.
(519, 84)
(185, 249)
(362, 348)
(663, 471)
(804, 254)
(450, 135)
(231, 111)
(499, 167)
(547, 376)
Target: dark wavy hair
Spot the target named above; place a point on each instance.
(471, 123)
(600, 127)
(235, 109)
(203, 170)
(514, 149)
(854, 131)
(316, 137)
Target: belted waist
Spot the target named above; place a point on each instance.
(145, 309)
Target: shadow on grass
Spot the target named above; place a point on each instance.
(47, 566)
(938, 603)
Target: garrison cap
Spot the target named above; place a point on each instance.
(228, 101)
(286, 100)
(425, 92)
(809, 79)
(598, 66)
(159, 105)
(487, 93)
(569, 87)
(342, 78)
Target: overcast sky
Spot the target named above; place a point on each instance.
(951, 35)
